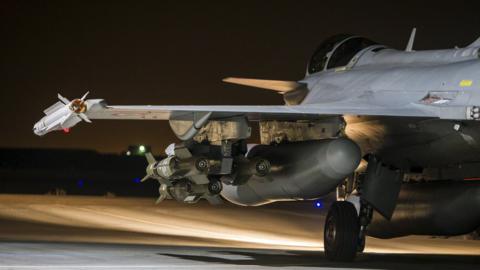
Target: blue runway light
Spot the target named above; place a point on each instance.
(318, 204)
(80, 183)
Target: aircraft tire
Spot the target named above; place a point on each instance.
(361, 244)
(341, 232)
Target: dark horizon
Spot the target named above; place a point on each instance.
(177, 53)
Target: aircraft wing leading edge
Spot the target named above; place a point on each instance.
(97, 109)
(281, 112)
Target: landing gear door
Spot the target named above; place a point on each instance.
(381, 187)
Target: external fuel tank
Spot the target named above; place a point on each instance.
(299, 171)
(443, 208)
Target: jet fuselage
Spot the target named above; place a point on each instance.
(445, 79)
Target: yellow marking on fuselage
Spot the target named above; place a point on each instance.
(465, 83)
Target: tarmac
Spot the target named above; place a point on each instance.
(75, 232)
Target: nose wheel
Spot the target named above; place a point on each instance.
(341, 232)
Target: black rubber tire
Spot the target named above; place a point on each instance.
(361, 244)
(341, 232)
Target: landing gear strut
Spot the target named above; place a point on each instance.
(341, 232)
(347, 221)
(365, 217)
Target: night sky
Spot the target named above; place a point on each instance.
(177, 52)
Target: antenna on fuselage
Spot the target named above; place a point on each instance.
(411, 40)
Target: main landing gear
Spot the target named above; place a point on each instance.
(348, 218)
(342, 232)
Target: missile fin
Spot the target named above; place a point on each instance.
(54, 107)
(85, 95)
(63, 99)
(84, 117)
(161, 198)
(150, 158)
(145, 178)
(163, 191)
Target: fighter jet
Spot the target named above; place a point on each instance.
(393, 132)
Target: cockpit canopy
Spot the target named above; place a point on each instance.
(337, 51)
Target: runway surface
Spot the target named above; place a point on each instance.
(73, 232)
(118, 256)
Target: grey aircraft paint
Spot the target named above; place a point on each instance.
(421, 105)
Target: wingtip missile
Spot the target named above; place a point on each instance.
(64, 114)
